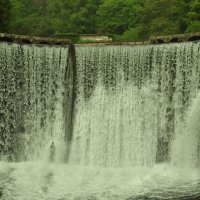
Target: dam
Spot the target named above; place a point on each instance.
(124, 120)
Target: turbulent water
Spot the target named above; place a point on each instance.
(136, 132)
(42, 181)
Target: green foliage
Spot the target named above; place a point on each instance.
(133, 34)
(161, 26)
(164, 17)
(194, 17)
(194, 13)
(117, 16)
(36, 17)
(4, 15)
(83, 20)
(127, 20)
(194, 27)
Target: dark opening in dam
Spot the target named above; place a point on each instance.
(124, 120)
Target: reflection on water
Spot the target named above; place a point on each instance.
(42, 181)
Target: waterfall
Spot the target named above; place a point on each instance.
(31, 99)
(186, 146)
(132, 103)
(122, 106)
(125, 119)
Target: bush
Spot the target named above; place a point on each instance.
(193, 27)
(133, 34)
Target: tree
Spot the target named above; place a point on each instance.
(4, 15)
(47, 17)
(164, 17)
(126, 19)
(194, 16)
(117, 16)
(36, 17)
(83, 20)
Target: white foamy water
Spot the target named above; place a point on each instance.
(186, 145)
(133, 102)
(111, 133)
(42, 181)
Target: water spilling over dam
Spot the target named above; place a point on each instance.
(126, 118)
(132, 102)
(32, 88)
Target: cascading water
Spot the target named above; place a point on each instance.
(31, 104)
(132, 101)
(135, 122)
(186, 146)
